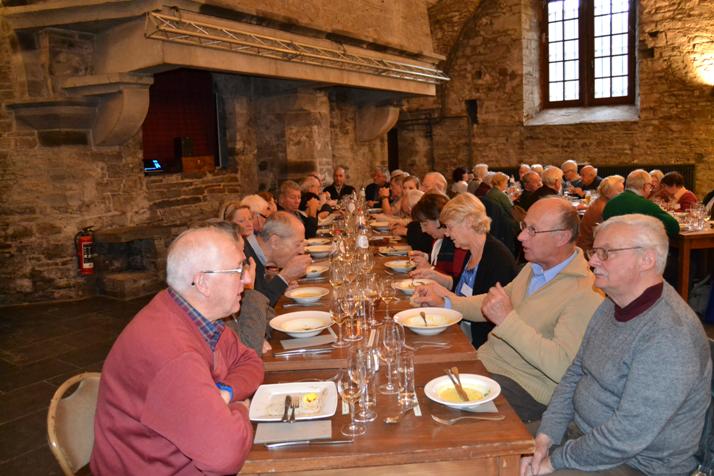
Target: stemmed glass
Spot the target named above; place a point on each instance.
(337, 273)
(388, 294)
(362, 369)
(370, 291)
(350, 391)
(350, 305)
(391, 340)
(338, 317)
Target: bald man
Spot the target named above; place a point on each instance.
(589, 180)
(174, 388)
(434, 182)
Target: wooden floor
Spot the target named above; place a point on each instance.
(40, 347)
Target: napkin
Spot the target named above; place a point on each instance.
(301, 430)
(488, 407)
(289, 344)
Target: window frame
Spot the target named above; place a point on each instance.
(586, 60)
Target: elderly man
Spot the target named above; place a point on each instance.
(589, 180)
(339, 188)
(638, 187)
(634, 399)
(380, 178)
(313, 202)
(540, 316)
(172, 398)
(434, 182)
(281, 245)
(289, 201)
(479, 171)
(552, 185)
(570, 172)
(531, 182)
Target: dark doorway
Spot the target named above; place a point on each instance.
(393, 148)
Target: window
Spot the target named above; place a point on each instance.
(588, 52)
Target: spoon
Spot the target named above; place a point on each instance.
(455, 371)
(423, 316)
(459, 389)
(395, 419)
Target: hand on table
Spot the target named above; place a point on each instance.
(539, 463)
(496, 305)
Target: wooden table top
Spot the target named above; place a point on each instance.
(414, 440)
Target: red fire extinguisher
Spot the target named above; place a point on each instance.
(84, 244)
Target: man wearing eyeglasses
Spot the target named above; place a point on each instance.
(174, 387)
(540, 316)
(634, 399)
(280, 244)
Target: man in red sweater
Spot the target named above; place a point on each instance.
(174, 388)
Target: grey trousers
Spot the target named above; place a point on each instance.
(525, 406)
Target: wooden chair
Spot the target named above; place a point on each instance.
(70, 421)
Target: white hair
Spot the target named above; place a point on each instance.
(412, 197)
(256, 203)
(551, 174)
(647, 232)
(194, 250)
(480, 170)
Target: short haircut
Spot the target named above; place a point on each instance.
(191, 253)
(289, 186)
(552, 174)
(412, 178)
(672, 179)
(280, 223)
(256, 203)
(569, 164)
(480, 170)
(398, 179)
(458, 174)
(309, 181)
(606, 186)
(440, 179)
(429, 207)
(647, 232)
(637, 179)
(412, 197)
(568, 218)
(384, 170)
(657, 173)
(466, 206)
(498, 179)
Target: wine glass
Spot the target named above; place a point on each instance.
(349, 304)
(391, 340)
(388, 294)
(337, 274)
(362, 370)
(370, 291)
(350, 393)
(338, 317)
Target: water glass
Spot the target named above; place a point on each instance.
(350, 393)
(406, 382)
(391, 340)
(362, 369)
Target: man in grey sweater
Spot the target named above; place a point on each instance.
(634, 399)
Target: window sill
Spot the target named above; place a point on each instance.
(581, 115)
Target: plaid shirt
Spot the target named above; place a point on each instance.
(210, 331)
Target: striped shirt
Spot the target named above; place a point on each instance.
(210, 330)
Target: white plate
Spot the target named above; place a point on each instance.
(315, 270)
(306, 294)
(373, 211)
(395, 250)
(318, 241)
(438, 319)
(302, 323)
(400, 265)
(489, 387)
(383, 238)
(319, 251)
(407, 286)
(380, 225)
(268, 403)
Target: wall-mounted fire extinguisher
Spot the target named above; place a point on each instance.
(84, 244)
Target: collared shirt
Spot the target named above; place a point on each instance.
(256, 247)
(542, 277)
(465, 286)
(645, 301)
(210, 330)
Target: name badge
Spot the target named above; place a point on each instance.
(466, 290)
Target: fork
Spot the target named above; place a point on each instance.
(451, 421)
(294, 403)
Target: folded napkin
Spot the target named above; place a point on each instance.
(289, 344)
(301, 430)
(488, 407)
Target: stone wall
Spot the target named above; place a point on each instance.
(495, 62)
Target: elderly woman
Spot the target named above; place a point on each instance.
(488, 260)
(608, 188)
(497, 193)
(239, 214)
(445, 263)
(678, 197)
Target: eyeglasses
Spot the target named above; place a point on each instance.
(258, 214)
(533, 232)
(239, 271)
(603, 253)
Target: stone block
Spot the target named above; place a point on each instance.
(64, 137)
(130, 284)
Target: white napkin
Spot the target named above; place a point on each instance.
(289, 344)
(488, 407)
(301, 430)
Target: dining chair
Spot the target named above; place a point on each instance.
(70, 421)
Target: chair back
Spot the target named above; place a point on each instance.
(70, 421)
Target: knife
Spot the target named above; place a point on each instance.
(286, 444)
(316, 350)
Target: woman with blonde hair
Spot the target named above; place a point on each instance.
(487, 262)
(239, 214)
(608, 188)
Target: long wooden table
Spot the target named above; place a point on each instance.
(415, 446)
(687, 241)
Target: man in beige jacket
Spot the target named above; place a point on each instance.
(540, 316)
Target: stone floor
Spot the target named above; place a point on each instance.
(40, 347)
